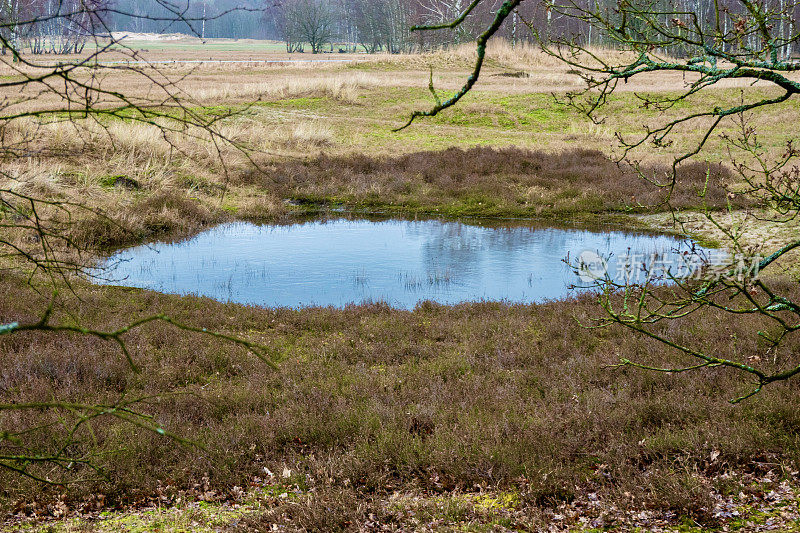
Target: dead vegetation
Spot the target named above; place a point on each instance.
(482, 396)
(143, 195)
(485, 181)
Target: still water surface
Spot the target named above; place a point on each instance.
(399, 262)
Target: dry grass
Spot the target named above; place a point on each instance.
(360, 102)
(157, 199)
(522, 56)
(760, 232)
(311, 133)
(339, 87)
(210, 83)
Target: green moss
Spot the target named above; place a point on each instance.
(304, 102)
(197, 517)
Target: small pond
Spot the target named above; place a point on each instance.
(400, 262)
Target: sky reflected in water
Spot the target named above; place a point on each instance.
(395, 261)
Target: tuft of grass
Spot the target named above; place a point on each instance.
(311, 133)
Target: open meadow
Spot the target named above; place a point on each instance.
(484, 416)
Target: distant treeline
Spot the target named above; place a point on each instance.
(367, 25)
(235, 19)
(348, 25)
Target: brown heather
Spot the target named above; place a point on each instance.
(578, 185)
(374, 399)
(505, 181)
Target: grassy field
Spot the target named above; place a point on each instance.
(295, 119)
(197, 47)
(476, 417)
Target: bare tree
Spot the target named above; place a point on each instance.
(306, 21)
(9, 16)
(708, 44)
(373, 24)
(438, 11)
(58, 26)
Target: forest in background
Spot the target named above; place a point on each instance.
(372, 26)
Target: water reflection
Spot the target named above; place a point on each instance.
(400, 262)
